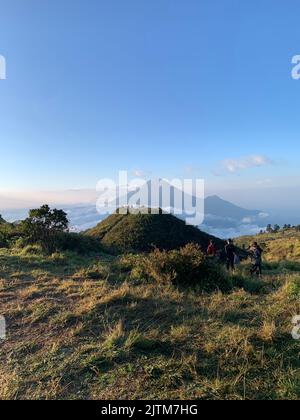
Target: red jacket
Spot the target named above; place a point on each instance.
(211, 250)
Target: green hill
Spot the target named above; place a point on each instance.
(143, 232)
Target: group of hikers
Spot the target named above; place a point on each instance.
(232, 259)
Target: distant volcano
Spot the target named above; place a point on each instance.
(226, 220)
(214, 205)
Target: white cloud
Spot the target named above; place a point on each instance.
(247, 162)
(247, 220)
(263, 215)
(139, 173)
(234, 232)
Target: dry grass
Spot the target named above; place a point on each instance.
(71, 336)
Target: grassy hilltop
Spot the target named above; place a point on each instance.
(143, 232)
(128, 326)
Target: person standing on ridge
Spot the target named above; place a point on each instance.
(230, 255)
(211, 250)
(256, 258)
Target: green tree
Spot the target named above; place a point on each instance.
(43, 226)
(287, 227)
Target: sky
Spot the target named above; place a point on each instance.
(168, 88)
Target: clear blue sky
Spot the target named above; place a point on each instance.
(154, 85)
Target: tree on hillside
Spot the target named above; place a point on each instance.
(269, 229)
(287, 227)
(44, 225)
(276, 228)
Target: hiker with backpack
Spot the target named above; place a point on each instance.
(230, 253)
(256, 258)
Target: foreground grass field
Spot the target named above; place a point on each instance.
(85, 328)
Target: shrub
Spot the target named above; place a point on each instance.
(127, 262)
(3, 241)
(97, 271)
(292, 287)
(43, 226)
(32, 250)
(9, 233)
(77, 243)
(61, 242)
(289, 265)
(251, 285)
(58, 258)
(187, 267)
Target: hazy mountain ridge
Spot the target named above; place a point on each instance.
(222, 218)
(225, 219)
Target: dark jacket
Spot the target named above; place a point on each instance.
(230, 251)
(257, 255)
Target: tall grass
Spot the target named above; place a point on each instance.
(76, 335)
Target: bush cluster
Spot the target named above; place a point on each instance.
(187, 266)
(77, 243)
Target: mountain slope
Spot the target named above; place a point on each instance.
(222, 208)
(282, 247)
(143, 232)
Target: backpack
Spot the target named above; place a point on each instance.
(237, 260)
(257, 253)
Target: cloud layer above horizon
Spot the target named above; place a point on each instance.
(244, 163)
